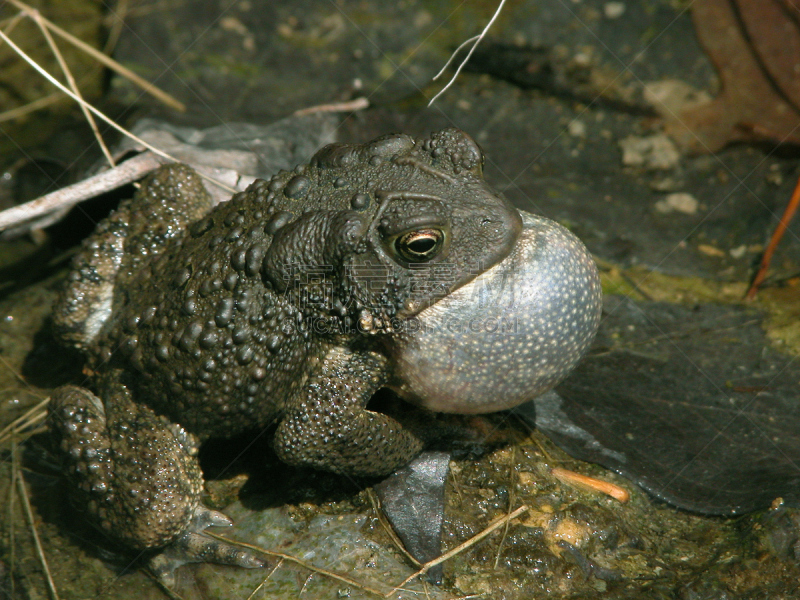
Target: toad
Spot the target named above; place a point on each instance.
(287, 305)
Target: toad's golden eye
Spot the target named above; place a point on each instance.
(419, 246)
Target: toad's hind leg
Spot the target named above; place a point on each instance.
(138, 477)
(123, 244)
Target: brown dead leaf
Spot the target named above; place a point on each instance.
(755, 45)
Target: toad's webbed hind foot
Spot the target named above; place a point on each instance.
(195, 546)
(137, 477)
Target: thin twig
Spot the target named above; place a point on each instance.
(541, 447)
(37, 18)
(21, 111)
(42, 559)
(17, 375)
(511, 500)
(453, 56)
(388, 528)
(118, 16)
(297, 561)
(10, 24)
(77, 99)
(791, 208)
(31, 417)
(350, 105)
(305, 584)
(260, 585)
(107, 61)
(456, 487)
(11, 533)
(169, 592)
(102, 116)
(471, 50)
(592, 483)
(33, 213)
(461, 547)
(126, 172)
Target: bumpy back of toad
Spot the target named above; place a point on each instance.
(220, 324)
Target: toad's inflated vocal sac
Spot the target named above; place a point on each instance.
(388, 264)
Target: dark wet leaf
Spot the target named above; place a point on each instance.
(755, 45)
(413, 501)
(691, 403)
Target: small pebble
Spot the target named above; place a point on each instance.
(739, 251)
(653, 152)
(668, 184)
(672, 96)
(709, 250)
(614, 10)
(576, 128)
(678, 202)
(774, 176)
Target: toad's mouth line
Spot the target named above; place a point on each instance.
(481, 274)
(478, 271)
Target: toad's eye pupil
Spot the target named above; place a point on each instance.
(422, 245)
(419, 246)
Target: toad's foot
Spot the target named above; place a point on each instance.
(137, 477)
(195, 546)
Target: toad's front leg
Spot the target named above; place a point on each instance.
(328, 426)
(138, 477)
